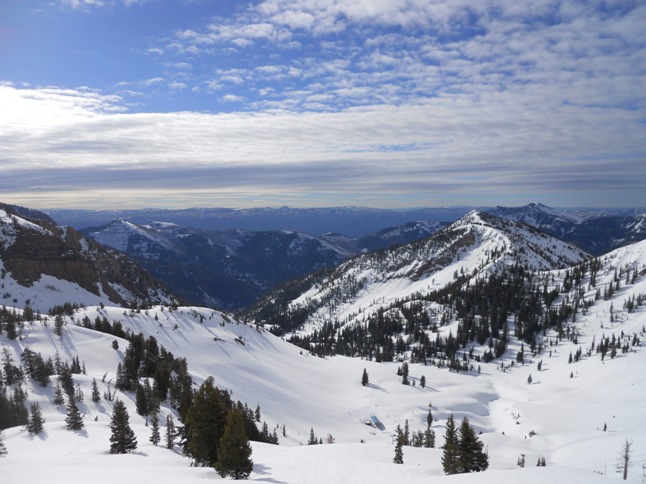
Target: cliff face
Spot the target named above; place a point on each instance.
(30, 247)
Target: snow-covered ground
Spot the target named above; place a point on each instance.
(559, 416)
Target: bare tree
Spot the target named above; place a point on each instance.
(624, 458)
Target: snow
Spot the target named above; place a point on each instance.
(557, 417)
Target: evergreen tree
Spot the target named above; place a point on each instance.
(59, 398)
(205, 420)
(450, 462)
(170, 432)
(96, 396)
(399, 452)
(234, 452)
(36, 420)
(154, 428)
(141, 401)
(405, 379)
(422, 381)
(3, 448)
(471, 456)
(364, 378)
(312, 440)
(122, 439)
(74, 419)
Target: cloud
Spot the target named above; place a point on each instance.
(74, 142)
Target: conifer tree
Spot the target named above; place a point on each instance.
(59, 398)
(122, 439)
(364, 378)
(234, 452)
(471, 456)
(96, 396)
(450, 462)
(3, 448)
(170, 432)
(154, 428)
(312, 440)
(74, 419)
(399, 452)
(36, 420)
(205, 420)
(405, 379)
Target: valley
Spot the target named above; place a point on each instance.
(573, 412)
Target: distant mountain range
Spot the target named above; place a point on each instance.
(354, 222)
(231, 269)
(192, 253)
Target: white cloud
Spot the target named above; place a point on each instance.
(66, 140)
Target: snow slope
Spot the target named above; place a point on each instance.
(559, 416)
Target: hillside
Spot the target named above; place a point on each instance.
(474, 247)
(559, 416)
(42, 264)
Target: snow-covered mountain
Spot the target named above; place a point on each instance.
(232, 269)
(475, 247)
(224, 269)
(354, 222)
(42, 263)
(596, 232)
(576, 414)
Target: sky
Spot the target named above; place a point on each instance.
(380, 103)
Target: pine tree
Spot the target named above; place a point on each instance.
(170, 432)
(405, 379)
(471, 456)
(234, 452)
(74, 419)
(36, 420)
(154, 427)
(364, 378)
(450, 462)
(122, 439)
(204, 422)
(312, 440)
(96, 396)
(59, 398)
(3, 448)
(422, 381)
(399, 452)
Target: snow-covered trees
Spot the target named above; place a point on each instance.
(463, 450)
(122, 439)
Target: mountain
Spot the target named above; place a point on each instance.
(596, 232)
(354, 222)
(231, 269)
(224, 269)
(475, 247)
(42, 262)
(583, 402)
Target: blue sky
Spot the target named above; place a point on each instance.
(383, 103)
